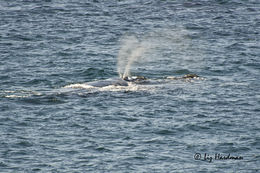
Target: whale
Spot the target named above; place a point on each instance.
(125, 81)
(107, 82)
(187, 76)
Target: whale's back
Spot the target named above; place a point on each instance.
(108, 82)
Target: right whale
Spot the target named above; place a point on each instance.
(107, 82)
(187, 76)
(133, 79)
(117, 81)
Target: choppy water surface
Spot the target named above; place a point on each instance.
(52, 121)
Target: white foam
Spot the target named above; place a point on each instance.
(16, 96)
(83, 86)
(112, 88)
(19, 93)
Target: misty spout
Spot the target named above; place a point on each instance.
(131, 51)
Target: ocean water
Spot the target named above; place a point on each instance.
(52, 121)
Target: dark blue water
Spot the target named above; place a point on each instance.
(51, 122)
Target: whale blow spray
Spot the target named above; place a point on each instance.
(173, 45)
(131, 51)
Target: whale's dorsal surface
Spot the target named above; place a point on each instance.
(107, 82)
(135, 79)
